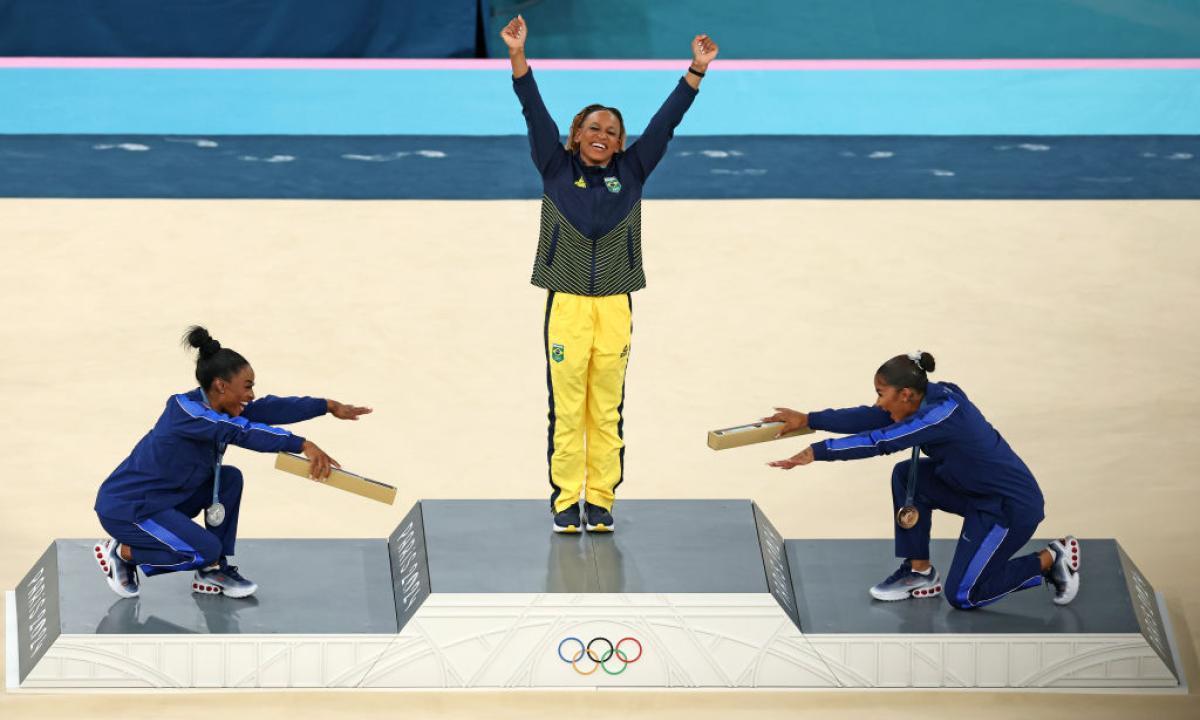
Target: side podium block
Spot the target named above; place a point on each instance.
(338, 478)
(726, 438)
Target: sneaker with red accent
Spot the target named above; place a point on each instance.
(224, 580)
(122, 576)
(1064, 571)
(907, 583)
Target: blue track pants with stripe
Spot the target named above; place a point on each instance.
(984, 569)
(170, 541)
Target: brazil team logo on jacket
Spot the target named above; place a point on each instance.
(613, 184)
(557, 352)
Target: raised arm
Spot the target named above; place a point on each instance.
(704, 51)
(544, 143)
(513, 35)
(649, 149)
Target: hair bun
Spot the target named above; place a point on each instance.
(927, 362)
(923, 360)
(197, 336)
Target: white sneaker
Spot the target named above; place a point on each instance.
(906, 583)
(1064, 571)
(122, 576)
(225, 581)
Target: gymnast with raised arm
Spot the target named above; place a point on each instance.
(589, 260)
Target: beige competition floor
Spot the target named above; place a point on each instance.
(1072, 324)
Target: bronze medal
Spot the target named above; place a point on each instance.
(907, 517)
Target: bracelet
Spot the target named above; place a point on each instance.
(695, 72)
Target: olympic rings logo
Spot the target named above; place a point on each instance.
(601, 659)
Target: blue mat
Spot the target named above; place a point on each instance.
(699, 167)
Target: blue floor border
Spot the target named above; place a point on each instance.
(697, 167)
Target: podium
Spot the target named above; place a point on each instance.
(481, 594)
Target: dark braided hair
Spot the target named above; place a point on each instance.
(213, 360)
(908, 371)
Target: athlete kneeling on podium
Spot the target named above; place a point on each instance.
(175, 472)
(970, 471)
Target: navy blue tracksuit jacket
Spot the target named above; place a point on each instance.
(148, 502)
(180, 452)
(970, 470)
(590, 240)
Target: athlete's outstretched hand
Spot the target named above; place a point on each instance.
(342, 411)
(802, 458)
(514, 33)
(321, 463)
(704, 49)
(792, 420)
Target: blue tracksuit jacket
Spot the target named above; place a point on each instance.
(180, 452)
(970, 454)
(590, 234)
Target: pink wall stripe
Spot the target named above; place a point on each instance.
(501, 64)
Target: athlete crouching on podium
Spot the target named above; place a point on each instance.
(175, 473)
(970, 471)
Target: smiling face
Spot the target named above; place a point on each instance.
(599, 137)
(231, 396)
(899, 404)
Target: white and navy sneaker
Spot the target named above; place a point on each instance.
(568, 521)
(907, 583)
(597, 519)
(122, 576)
(225, 581)
(1064, 571)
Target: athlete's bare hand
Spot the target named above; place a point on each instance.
(514, 33)
(803, 457)
(792, 420)
(704, 49)
(342, 411)
(321, 463)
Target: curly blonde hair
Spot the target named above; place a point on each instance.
(577, 122)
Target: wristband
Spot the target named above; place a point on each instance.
(695, 72)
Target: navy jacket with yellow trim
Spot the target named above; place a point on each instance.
(969, 453)
(590, 234)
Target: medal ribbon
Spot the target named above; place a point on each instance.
(910, 491)
(217, 467)
(217, 474)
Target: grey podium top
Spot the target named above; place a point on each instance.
(660, 546)
(831, 578)
(305, 586)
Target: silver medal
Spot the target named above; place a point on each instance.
(214, 514)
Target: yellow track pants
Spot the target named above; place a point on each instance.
(587, 351)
